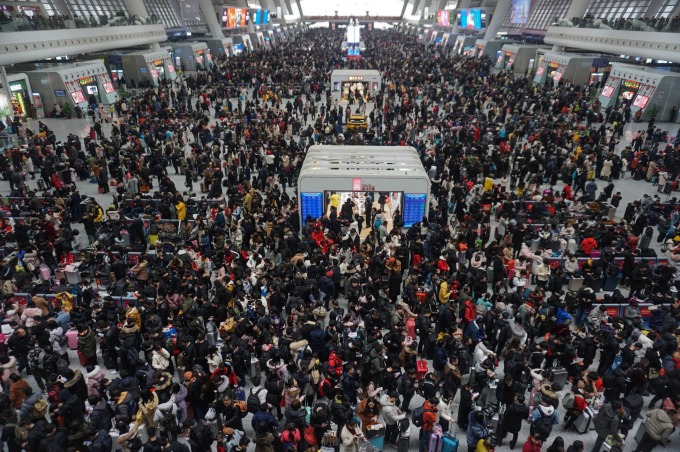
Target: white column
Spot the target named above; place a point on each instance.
(416, 4)
(5, 89)
(299, 7)
(499, 13)
(136, 8)
(209, 13)
(403, 9)
(465, 4)
(577, 8)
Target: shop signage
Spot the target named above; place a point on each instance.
(15, 87)
(87, 80)
(355, 78)
(157, 62)
(554, 64)
(631, 84)
(367, 187)
(356, 184)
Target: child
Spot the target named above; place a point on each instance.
(404, 435)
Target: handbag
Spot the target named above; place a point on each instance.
(309, 435)
(653, 374)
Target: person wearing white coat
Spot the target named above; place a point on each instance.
(160, 358)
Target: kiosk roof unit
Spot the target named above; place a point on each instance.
(357, 161)
(368, 169)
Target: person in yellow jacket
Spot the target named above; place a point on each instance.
(147, 408)
(445, 292)
(181, 209)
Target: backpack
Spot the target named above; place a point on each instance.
(568, 400)
(377, 223)
(253, 401)
(322, 386)
(169, 421)
(417, 416)
(543, 426)
(334, 365)
(62, 340)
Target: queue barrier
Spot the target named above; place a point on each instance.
(556, 262)
(22, 299)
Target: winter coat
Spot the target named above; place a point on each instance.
(659, 425)
(389, 410)
(87, 343)
(94, 381)
(513, 417)
(607, 421)
(350, 440)
(160, 360)
(475, 430)
(28, 317)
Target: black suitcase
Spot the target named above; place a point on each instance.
(610, 283)
(645, 242)
(41, 185)
(557, 378)
(649, 252)
(555, 246)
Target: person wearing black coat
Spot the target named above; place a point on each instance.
(609, 350)
(506, 391)
(467, 398)
(515, 413)
(614, 384)
(407, 388)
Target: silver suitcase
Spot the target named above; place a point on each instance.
(640, 432)
(535, 243)
(575, 284)
(584, 421)
(571, 246)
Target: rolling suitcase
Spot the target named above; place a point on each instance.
(557, 377)
(597, 284)
(72, 336)
(436, 442)
(535, 243)
(450, 444)
(582, 423)
(575, 284)
(610, 283)
(572, 246)
(41, 185)
(555, 246)
(125, 237)
(644, 242)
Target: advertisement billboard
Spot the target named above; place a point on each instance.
(235, 17)
(519, 14)
(472, 19)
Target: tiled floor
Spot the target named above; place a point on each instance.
(629, 188)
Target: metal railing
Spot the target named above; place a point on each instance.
(648, 24)
(39, 22)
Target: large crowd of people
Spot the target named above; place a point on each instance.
(203, 316)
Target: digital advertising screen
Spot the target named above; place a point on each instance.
(519, 14)
(311, 204)
(472, 19)
(108, 88)
(414, 208)
(78, 97)
(234, 17)
(444, 18)
(607, 91)
(640, 101)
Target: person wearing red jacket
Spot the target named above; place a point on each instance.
(588, 245)
(533, 443)
(430, 409)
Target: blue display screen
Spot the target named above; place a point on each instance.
(311, 204)
(414, 208)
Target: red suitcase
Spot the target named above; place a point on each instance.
(72, 336)
(421, 369)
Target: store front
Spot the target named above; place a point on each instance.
(355, 84)
(19, 100)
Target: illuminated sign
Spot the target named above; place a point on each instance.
(631, 84)
(641, 101)
(607, 91)
(355, 78)
(553, 64)
(157, 62)
(356, 184)
(87, 80)
(15, 87)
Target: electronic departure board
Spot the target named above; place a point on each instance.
(414, 208)
(311, 204)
